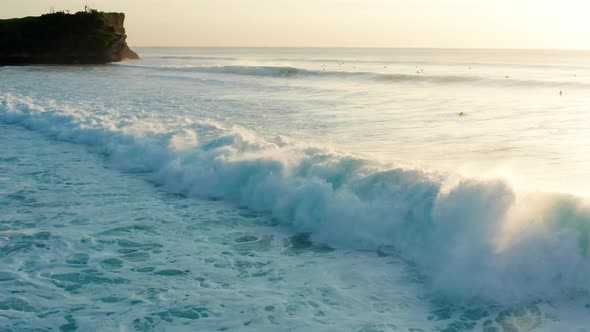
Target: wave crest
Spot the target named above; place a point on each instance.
(472, 239)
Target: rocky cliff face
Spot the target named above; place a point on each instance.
(120, 50)
(60, 38)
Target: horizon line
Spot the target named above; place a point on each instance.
(378, 47)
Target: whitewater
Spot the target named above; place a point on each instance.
(290, 189)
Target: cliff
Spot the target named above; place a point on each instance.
(83, 38)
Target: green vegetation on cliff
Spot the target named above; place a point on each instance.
(84, 37)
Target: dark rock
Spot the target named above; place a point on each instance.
(90, 37)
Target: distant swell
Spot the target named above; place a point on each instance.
(189, 57)
(286, 71)
(382, 61)
(471, 239)
(293, 72)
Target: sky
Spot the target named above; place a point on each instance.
(522, 24)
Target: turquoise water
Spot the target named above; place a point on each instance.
(253, 190)
(110, 251)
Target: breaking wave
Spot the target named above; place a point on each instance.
(470, 238)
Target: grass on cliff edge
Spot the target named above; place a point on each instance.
(58, 32)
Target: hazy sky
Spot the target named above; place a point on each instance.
(561, 24)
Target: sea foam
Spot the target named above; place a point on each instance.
(471, 238)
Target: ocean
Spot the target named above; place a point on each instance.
(263, 189)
